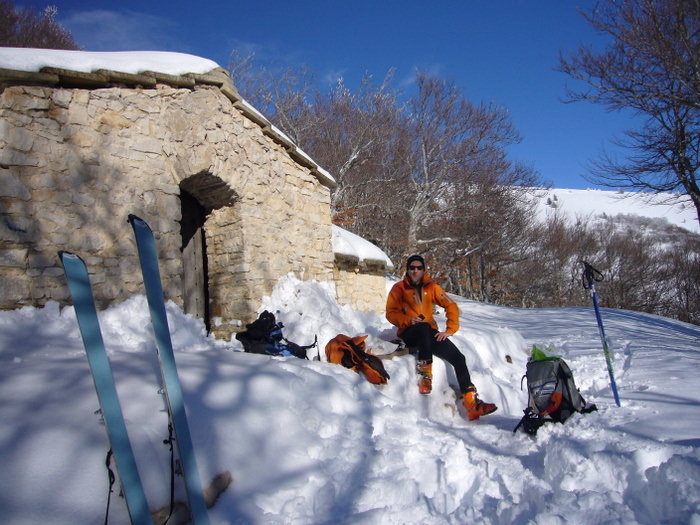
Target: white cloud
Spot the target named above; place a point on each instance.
(332, 76)
(104, 30)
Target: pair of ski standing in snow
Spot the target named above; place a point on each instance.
(409, 307)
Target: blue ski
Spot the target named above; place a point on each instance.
(171, 383)
(79, 285)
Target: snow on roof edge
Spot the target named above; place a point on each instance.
(348, 243)
(133, 62)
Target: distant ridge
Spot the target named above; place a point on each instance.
(678, 211)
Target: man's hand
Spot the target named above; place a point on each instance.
(441, 336)
(417, 319)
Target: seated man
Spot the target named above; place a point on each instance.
(409, 307)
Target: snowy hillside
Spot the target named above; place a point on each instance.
(593, 203)
(308, 442)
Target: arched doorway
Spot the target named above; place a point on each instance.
(200, 195)
(194, 258)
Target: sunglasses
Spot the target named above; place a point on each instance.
(416, 268)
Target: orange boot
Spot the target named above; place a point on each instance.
(425, 376)
(474, 406)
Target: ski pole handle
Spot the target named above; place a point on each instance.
(590, 275)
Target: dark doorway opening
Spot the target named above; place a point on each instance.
(194, 258)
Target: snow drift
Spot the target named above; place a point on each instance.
(309, 442)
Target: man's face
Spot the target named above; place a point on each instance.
(415, 271)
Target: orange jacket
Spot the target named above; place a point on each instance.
(405, 302)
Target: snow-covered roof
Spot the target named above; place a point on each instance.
(133, 62)
(52, 67)
(347, 243)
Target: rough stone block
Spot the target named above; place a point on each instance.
(15, 258)
(11, 186)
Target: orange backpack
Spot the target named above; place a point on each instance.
(350, 352)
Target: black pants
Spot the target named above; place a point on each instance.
(422, 335)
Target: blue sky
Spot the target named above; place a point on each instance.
(497, 50)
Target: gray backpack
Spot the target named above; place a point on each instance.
(552, 394)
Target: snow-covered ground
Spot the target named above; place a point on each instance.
(308, 442)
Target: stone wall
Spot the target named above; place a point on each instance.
(77, 156)
(361, 283)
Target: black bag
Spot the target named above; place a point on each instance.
(264, 336)
(552, 394)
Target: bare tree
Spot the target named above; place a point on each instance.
(682, 278)
(651, 67)
(541, 275)
(453, 140)
(346, 131)
(461, 193)
(430, 175)
(352, 134)
(284, 94)
(375, 193)
(26, 28)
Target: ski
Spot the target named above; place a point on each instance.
(590, 275)
(86, 313)
(148, 256)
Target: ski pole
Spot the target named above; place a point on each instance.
(590, 275)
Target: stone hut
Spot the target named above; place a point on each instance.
(88, 138)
